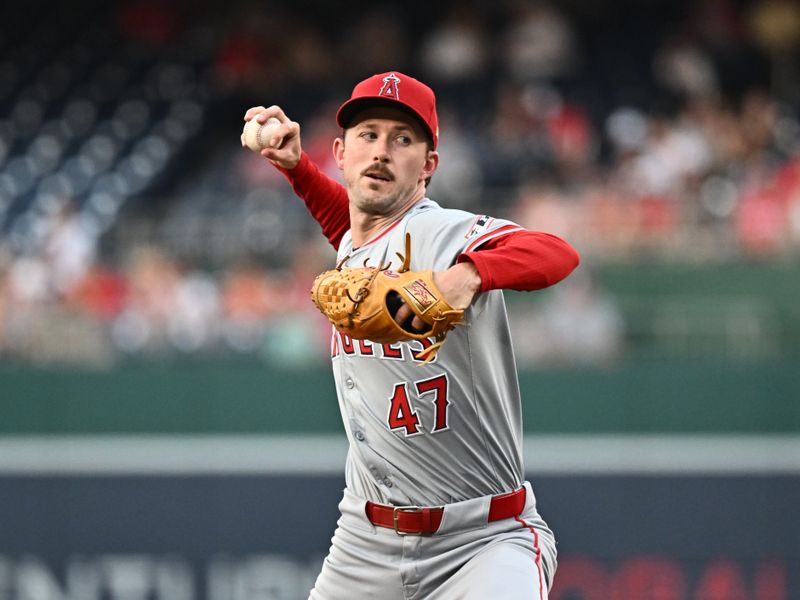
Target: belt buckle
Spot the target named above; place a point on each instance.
(407, 508)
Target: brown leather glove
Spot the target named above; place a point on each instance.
(362, 302)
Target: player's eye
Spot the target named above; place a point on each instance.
(369, 135)
(404, 140)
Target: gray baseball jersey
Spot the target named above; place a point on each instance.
(447, 433)
(449, 430)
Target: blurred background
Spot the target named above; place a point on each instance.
(168, 422)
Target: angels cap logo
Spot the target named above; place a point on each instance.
(389, 87)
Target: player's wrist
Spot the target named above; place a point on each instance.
(472, 276)
(470, 273)
(295, 169)
(295, 164)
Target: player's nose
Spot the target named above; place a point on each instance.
(381, 151)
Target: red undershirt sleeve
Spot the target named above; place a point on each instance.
(325, 198)
(522, 260)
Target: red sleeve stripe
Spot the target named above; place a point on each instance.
(505, 230)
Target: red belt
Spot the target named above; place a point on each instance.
(417, 520)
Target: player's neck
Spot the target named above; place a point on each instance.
(366, 226)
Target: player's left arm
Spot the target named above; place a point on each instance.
(519, 260)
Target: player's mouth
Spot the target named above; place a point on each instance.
(378, 174)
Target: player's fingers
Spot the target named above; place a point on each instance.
(270, 112)
(261, 114)
(285, 131)
(277, 112)
(252, 112)
(272, 154)
(280, 136)
(402, 314)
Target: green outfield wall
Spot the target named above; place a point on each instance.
(234, 397)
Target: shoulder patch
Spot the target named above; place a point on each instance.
(479, 226)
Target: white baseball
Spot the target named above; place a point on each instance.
(256, 136)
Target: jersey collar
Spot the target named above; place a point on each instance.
(423, 203)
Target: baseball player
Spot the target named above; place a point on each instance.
(436, 505)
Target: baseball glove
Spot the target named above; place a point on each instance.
(362, 302)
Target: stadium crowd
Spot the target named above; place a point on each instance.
(638, 131)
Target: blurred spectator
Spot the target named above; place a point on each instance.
(249, 56)
(575, 324)
(152, 22)
(70, 247)
(29, 282)
(673, 152)
(572, 141)
(519, 142)
(758, 118)
(717, 25)
(788, 183)
(626, 129)
(539, 42)
(101, 293)
(456, 50)
(375, 39)
(685, 69)
(308, 57)
(152, 281)
(458, 181)
(300, 332)
(193, 320)
(720, 127)
(761, 222)
(248, 299)
(540, 206)
(584, 324)
(775, 26)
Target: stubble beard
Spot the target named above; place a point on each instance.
(371, 202)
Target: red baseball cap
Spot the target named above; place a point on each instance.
(396, 89)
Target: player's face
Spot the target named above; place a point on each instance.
(385, 160)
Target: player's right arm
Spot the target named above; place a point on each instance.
(325, 198)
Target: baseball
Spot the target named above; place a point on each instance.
(256, 136)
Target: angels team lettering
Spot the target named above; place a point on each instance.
(403, 416)
(343, 344)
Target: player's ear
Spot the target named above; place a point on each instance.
(338, 152)
(430, 165)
